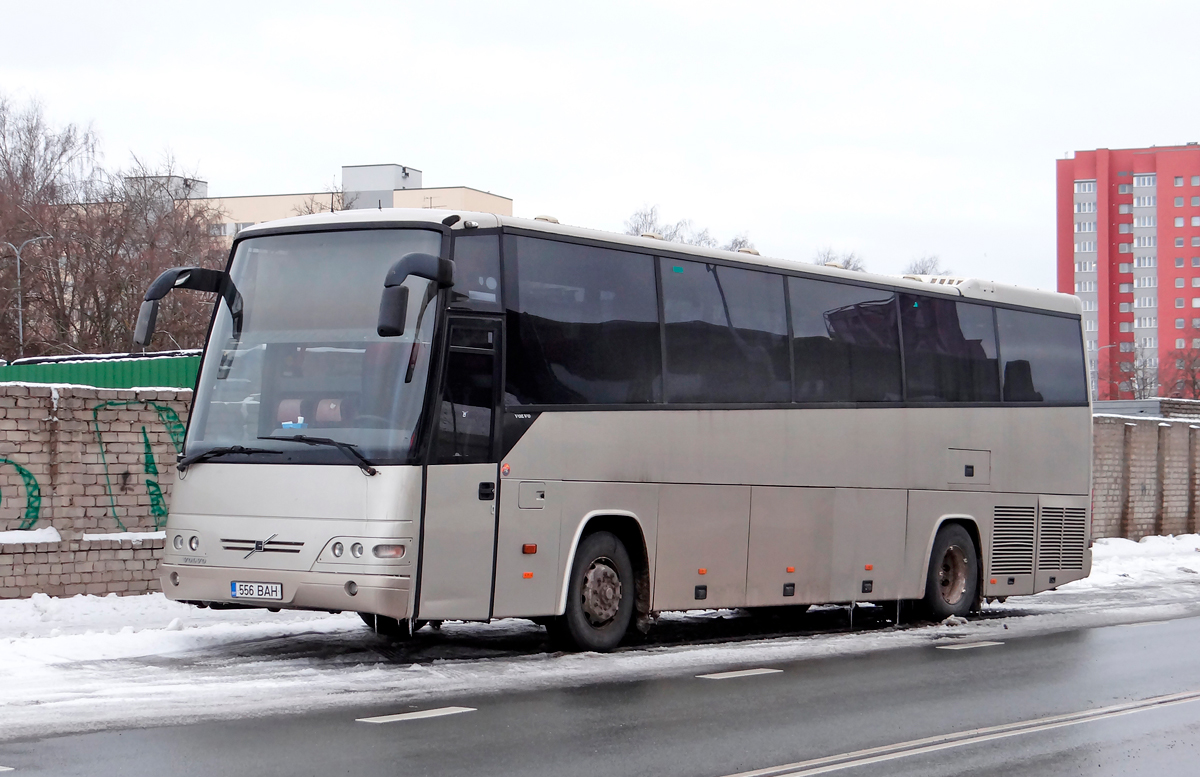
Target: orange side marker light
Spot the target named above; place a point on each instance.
(791, 570)
(528, 575)
(869, 567)
(703, 570)
(529, 549)
(992, 581)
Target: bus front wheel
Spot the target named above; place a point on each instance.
(600, 596)
(953, 578)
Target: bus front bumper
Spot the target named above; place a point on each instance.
(380, 594)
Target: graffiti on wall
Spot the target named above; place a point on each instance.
(33, 495)
(175, 428)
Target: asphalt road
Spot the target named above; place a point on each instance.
(1114, 700)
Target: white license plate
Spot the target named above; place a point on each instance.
(256, 590)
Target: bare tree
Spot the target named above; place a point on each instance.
(1182, 379)
(39, 163)
(930, 264)
(738, 242)
(847, 260)
(333, 200)
(1133, 373)
(646, 220)
(108, 235)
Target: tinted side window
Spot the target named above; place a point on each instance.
(1043, 357)
(726, 334)
(949, 350)
(476, 273)
(846, 343)
(582, 325)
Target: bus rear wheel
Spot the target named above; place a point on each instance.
(600, 596)
(953, 579)
(384, 626)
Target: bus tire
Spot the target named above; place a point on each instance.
(953, 579)
(395, 630)
(601, 594)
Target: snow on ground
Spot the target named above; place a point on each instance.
(87, 663)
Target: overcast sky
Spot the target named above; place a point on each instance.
(894, 130)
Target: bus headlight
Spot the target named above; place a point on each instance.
(194, 543)
(337, 550)
(388, 551)
(178, 542)
(356, 550)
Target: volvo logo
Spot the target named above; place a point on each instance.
(259, 546)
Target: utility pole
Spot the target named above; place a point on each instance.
(20, 301)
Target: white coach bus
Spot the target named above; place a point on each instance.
(423, 415)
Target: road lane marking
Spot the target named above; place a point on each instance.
(436, 713)
(873, 755)
(966, 645)
(738, 673)
(6, 769)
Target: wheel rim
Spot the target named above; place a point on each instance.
(952, 575)
(601, 592)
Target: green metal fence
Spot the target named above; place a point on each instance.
(123, 371)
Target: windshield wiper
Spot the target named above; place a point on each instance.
(347, 448)
(212, 453)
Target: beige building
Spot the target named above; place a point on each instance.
(363, 186)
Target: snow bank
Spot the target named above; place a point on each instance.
(47, 534)
(135, 536)
(87, 663)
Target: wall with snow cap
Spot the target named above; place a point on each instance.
(93, 467)
(1145, 476)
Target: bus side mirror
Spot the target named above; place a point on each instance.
(393, 305)
(393, 309)
(144, 329)
(428, 266)
(194, 278)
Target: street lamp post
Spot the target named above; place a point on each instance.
(20, 302)
(1098, 350)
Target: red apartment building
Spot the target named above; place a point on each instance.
(1129, 247)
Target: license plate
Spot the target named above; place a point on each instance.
(256, 590)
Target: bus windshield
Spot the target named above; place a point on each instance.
(308, 360)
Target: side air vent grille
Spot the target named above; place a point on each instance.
(1013, 530)
(1062, 538)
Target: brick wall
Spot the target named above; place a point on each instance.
(85, 461)
(1145, 475)
(79, 567)
(1110, 478)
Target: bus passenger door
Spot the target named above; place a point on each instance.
(461, 481)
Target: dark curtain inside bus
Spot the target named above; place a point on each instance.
(726, 334)
(845, 342)
(949, 350)
(582, 325)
